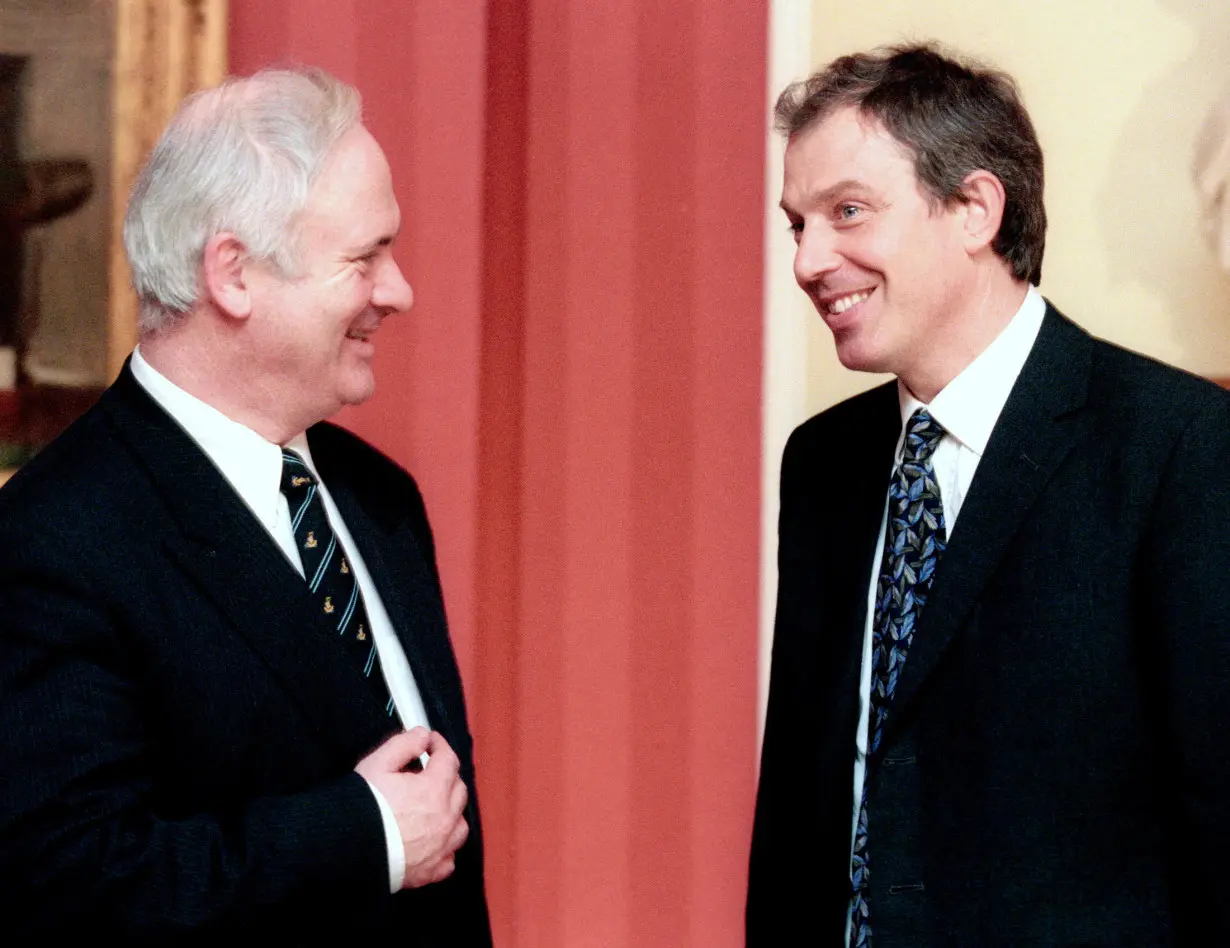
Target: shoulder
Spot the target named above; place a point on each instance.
(1130, 390)
(84, 475)
(344, 451)
(848, 423)
(380, 484)
(1116, 371)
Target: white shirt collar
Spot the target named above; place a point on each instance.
(251, 464)
(969, 405)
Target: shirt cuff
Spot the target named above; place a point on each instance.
(392, 839)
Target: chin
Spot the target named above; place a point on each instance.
(864, 350)
(860, 360)
(357, 396)
(356, 388)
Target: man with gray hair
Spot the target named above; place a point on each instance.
(228, 701)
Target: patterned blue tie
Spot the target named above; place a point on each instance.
(330, 578)
(913, 541)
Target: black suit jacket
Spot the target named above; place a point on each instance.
(178, 731)
(1055, 769)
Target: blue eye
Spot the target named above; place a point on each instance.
(848, 211)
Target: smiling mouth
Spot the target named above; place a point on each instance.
(842, 303)
(362, 335)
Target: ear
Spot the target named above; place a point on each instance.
(223, 266)
(983, 209)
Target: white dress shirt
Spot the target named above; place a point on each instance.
(253, 467)
(967, 408)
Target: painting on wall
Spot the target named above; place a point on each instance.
(85, 88)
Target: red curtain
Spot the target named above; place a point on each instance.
(578, 392)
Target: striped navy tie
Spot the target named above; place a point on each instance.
(329, 575)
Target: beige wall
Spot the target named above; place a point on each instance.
(1118, 90)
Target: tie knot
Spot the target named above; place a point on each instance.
(296, 476)
(922, 434)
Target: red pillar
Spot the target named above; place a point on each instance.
(578, 393)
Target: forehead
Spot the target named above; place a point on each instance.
(846, 148)
(353, 195)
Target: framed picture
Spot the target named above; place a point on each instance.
(86, 87)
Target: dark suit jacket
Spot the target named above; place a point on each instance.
(178, 733)
(1055, 769)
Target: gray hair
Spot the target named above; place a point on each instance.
(240, 157)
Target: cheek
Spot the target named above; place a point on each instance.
(876, 250)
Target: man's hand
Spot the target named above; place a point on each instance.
(429, 805)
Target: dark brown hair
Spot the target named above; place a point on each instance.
(953, 117)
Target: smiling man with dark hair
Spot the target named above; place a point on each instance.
(995, 713)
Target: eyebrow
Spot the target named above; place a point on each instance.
(385, 240)
(845, 186)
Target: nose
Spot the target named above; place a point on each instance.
(390, 291)
(816, 254)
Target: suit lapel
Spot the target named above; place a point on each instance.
(1039, 425)
(222, 548)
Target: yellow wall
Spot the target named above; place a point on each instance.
(1118, 90)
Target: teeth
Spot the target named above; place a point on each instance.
(843, 304)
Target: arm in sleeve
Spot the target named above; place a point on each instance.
(1186, 575)
(86, 843)
(392, 840)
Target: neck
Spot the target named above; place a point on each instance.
(965, 336)
(192, 355)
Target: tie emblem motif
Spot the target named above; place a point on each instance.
(326, 569)
(914, 538)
